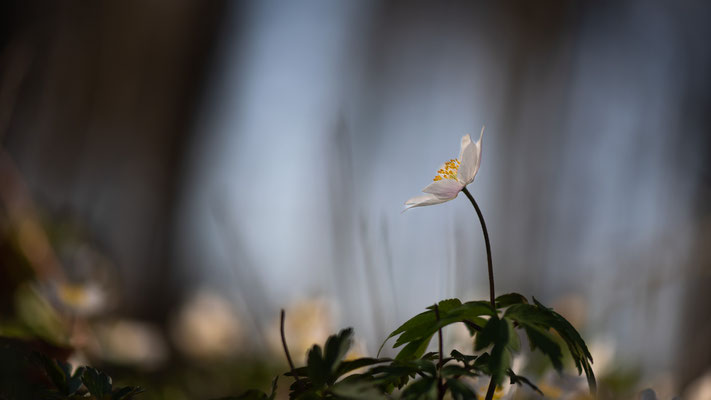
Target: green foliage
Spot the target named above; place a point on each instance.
(417, 332)
(60, 373)
(416, 375)
(537, 321)
(65, 385)
(412, 374)
(255, 394)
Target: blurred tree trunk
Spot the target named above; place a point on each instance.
(99, 119)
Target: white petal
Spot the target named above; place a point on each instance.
(470, 159)
(445, 188)
(424, 200)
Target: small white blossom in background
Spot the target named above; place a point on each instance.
(132, 343)
(307, 322)
(700, 389)
(81, 299)
(207, 327)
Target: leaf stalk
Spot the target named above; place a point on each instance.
(286, 349)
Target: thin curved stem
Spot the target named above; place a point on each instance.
(492, 386)
(286, 349)
(490, 391)
(488, 247)
(440, 385)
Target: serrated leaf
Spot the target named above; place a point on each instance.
(425, 365)
(576, 345)
(474, 325)
(414, 349)
(466, 359)
(542, 340)
(97, 382)
(348, 366)
(126, 393)
(514, 341)
(521, 380)
(461, 313)
(274, 388)
(316, 367)
(509, 299)
(424, 318)
(395, 374)
(488, 334)
(426, 324)
(54, 372)
(447, 305)
(301, 371)
(336, 348)
(422, 389)
(357, 388)
(459, 390)
(482, 363)
(454, 371)
(75, 382)
(497, 332)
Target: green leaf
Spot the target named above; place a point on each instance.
(422, 389)
(466, 359)
(426, 324)
(301, 371)
(520, 380)
(393, 375)
(423, 319)
(255, 394)
(454, 371)
(482, 363)
(576, 345)
(414, 349)
(97, 382)
(445, 306)
(126, 393)
(509, 299)
(459, 390)
(316, 367)
(357, 388)
(348, 366)
(541, 339)
(336, 348)
(497, 332)
(537, 320)
(274, 388)
(74, 383)
(474, 324)
(426, 328)
(54, 372)
(425, 365)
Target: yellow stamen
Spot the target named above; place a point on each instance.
(449, 171)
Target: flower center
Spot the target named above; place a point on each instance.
(449, 171)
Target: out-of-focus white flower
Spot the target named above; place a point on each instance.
(131, 343)
(308, 322)
(700, 388)
(603, 351)
(207, 327)
(83, 299)
(453, 176)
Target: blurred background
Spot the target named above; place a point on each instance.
(172, 174)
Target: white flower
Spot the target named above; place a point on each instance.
(453, 176)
